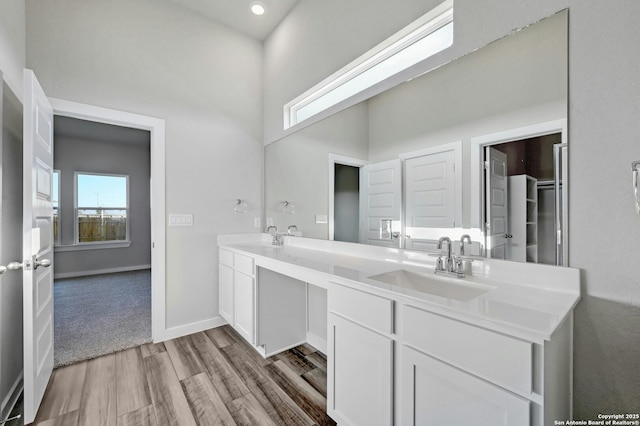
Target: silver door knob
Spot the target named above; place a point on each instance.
(14, 266)
(3, 269)
(508, 236)
(45, 263)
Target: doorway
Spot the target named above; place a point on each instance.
(102, 234)
(344, 198)
(156, 128)
(522, 193)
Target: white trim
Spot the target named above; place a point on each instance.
(76, 207)
(346, 161)
(100, 271)
(456, 147)
(98, 245)
(477, 158)
(194, 327)
(156, 127)
(317, 342)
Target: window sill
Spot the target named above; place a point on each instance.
(92, 246)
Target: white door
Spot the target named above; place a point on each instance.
(245, 306)
(37, 244)
(429, 186)
(361, 374)
(496, 225)
(381, 202)
(435, 394)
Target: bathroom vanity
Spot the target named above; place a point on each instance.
(403, 345)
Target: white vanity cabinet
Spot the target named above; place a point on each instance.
(238, 293)
(360, 357)
(395, 357)
(455, 373)
(435, 393)
(430, 369)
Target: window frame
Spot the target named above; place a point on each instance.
(101, 244)
(422, 28)
(57, 239)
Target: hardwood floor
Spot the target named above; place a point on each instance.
(208, 378)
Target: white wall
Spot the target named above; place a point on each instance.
(604, 104)
(516, 81)
(110, 157)
(12, 43)
(158, 59)
(296, 168)
(10, 249)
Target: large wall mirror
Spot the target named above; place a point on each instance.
(477, 146)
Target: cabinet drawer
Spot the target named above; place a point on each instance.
(500, 359)
(367, 309)
(244, 264)
(226, 257)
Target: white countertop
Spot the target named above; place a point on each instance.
(527, 301)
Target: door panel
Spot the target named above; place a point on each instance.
(429, 185)
(380, 199)
(496, 203)
(37, 244)
(436, 394)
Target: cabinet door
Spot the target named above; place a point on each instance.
(225, 294)
(245, 306)
(434, 393)
(360, 373)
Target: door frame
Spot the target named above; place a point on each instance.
(477, 163)
(156, 128)
(345, 161)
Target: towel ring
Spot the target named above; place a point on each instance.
(635, 168)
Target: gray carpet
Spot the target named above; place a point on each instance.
(101, 314)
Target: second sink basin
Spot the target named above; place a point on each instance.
(450, 288)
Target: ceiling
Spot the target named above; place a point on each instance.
(91, 130)
(237, 15)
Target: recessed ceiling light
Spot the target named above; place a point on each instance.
(257, 8)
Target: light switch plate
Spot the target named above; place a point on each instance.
(182, 219)
(321, 218)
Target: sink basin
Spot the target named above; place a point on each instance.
(450, 288)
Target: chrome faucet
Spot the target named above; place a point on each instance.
(277, 238)
(453, 265)
(464, 238)
(291, 229)
(448, 267)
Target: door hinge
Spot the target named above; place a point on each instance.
(486, 165)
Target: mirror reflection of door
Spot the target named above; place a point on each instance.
(534, 198)
(381, 201)
(429, 188)
(346, 203)
(497, 223)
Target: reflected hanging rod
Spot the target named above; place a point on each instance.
(635, 168)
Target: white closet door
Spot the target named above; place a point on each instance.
(380, 199)
(429, 184)
(496, 202)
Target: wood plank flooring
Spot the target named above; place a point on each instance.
(208, 378)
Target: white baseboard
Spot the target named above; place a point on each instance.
(317, 342)
(100, 271)
(12, 396)
(194, 327)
